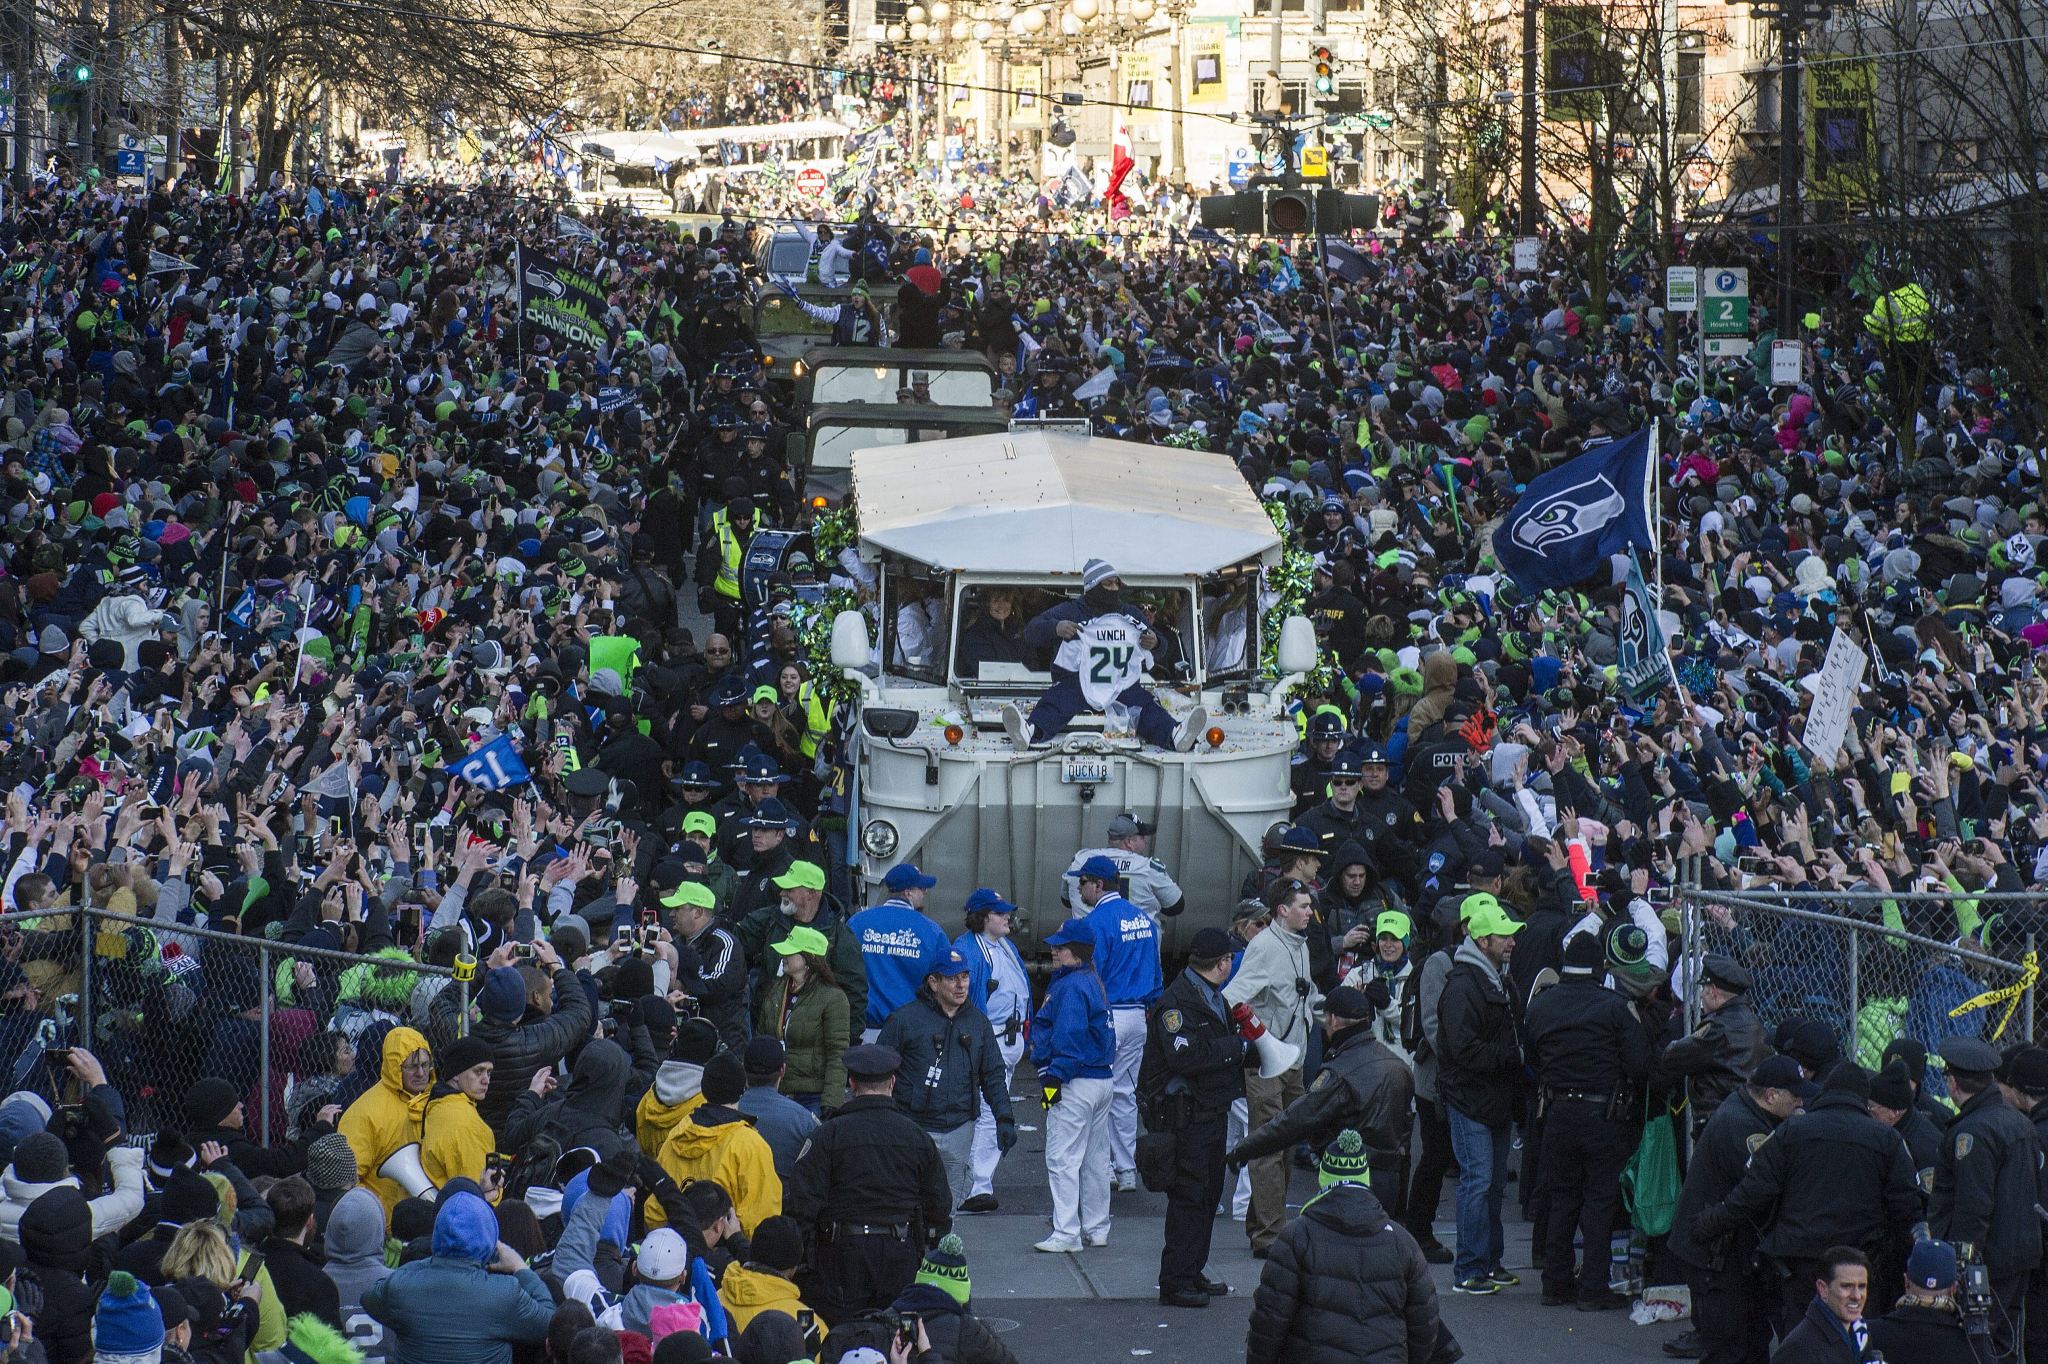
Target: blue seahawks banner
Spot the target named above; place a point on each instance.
(612, 397)
(1571, 520)
(493, 767)
(1640, 665)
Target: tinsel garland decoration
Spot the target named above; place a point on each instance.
(1291, 582)
(813, 625)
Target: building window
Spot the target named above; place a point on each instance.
(1691, 111)
(1293, 95)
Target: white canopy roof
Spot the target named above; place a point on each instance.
(1037, 502)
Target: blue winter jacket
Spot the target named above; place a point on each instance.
(898, 944)
(1126, 951)
(1070, 1037)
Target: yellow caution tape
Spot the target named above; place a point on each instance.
(2008, 995)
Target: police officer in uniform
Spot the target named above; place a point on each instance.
(870, 1188)
(1393, 830)
(1731, 1299)
(1361, 1084)
(1985, 1184)
(1340, 819)
(1145, 881)
(1192, 1072)
(1832, 1176)
(1724, 1048)
(1590, 1057)
(1309, 773)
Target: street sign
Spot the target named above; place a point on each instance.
(1242, 159)
(1315, 162)
(811, 180)
(1682, 289)
(1528, 255)
(1787, 362)
(1727, 302)
(130, 162)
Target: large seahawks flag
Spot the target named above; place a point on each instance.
(1572, 519)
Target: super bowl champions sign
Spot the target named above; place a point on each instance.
(561, 301)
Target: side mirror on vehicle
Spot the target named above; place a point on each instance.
(1297, 653)
(793, 449)
(850, 648)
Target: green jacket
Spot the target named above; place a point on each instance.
(814, 1039)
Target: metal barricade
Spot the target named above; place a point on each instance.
(1872, 965)
(163, 1005)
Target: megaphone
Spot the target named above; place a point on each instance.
(1275, 1056)
(402, 1167)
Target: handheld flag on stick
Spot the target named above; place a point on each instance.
(1573, 518)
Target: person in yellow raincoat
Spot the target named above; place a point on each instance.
(391, 1114)
(677, 1089)
(718, 1142)
(767, 1281)
(455, 1139)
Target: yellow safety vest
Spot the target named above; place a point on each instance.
(817, 719)
(730, 552)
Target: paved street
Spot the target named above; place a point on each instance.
(1102, 1306)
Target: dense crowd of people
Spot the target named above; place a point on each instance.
(344, 614)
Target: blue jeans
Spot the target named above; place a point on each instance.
(1482, 1154)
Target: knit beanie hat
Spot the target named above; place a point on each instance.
(779, 1244)
(944, 1267)
(1892, 1087)
(41, 1159)
(188, 1197)
(127, 1328)
(1344, 1160)
(210, 1101)
(725, 1079)
(331, 1164)
(463, 1054)
(503, 997)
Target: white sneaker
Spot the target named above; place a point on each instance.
(1018, 727)
(1097, 1242)
(1124, 1181)
(1190, 729)
(1054, 1245)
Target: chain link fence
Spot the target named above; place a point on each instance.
(1875, 966)
(163, 1005)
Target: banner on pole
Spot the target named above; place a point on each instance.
(557, 299)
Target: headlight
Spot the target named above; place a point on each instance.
(796, 371)
(878, 839)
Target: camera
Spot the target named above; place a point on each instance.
(1973, 1298)
(522, 951)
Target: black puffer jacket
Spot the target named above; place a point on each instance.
(1480, 1058)
(1343, 1285)
(520, 1049)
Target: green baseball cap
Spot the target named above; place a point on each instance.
(802, 876)
(803, 939)
(1393, 923)
(1493, 922)
(1475, 904)
(700, 822)
(690, 893)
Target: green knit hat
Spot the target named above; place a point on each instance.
(945, 1267)
(1344, 1160)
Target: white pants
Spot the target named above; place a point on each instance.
(1077, 1159)
(986, 1153)
(956, 1150)
(1129, 1024)
(1233, 1133)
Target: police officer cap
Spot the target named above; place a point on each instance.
(1780, 1071)
(730, 691)
(1726, 972)
(1372, 755)
(1100, 868)
(1209, 945)
(872, 1062)
(1814, 1046)
(769, 814)
(589, 781)
(1324, 725)
(1346, 765)
(1349, 1004)
(2027, 1071)
(1971, 1055)
(697, 774)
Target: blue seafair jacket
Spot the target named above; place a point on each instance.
(1070, 1037)
(1126, 951)
(898, 944)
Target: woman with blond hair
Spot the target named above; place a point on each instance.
(201, 1250)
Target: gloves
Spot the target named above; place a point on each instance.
(647, 1172)
(1052, 1092)
(1248, 1025)
(1006, 1137)
(1234, 1158)
(611, 1176)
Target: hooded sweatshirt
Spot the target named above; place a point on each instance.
(355, 1260)
(386, 1117)
(749, 1290)
(455, 1139)
(449, 1309)
(675, 1094)
(720, 1143)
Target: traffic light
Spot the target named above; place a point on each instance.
(1290, 211)
(1326, 74)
